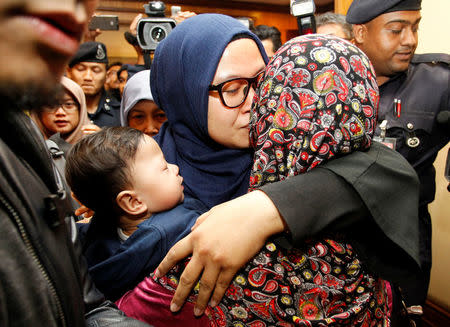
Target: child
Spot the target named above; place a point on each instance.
(122, 175)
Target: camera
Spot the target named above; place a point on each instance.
(155, 28)
(304, 10)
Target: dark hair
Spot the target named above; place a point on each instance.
(115, 63)
(337, 19)
(241, 36)
(264, 32)
(121, 69)
(97, 169)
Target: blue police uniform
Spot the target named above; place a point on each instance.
(108, 111)
(410, 103)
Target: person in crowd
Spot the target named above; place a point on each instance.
(122, 175)
(208, 138)
(131, 37)
(137, 109)
(325, 282)
(44, 280)
(270, 37)
(88, 69)
(334, 24)
(125, 73)
(66, 122)
(387, 31)
(112, 81)
(122, 76)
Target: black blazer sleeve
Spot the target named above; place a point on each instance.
(370, 192)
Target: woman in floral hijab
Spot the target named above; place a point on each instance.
(318, 100)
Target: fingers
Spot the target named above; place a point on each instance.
(200, 220)
(188, 279)
(81, 210)
(206, 288)
(133, 25)
(84, 211)
(223, 281)
(180, 250)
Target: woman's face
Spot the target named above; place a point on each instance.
(63, 118)
(230, 127)
(146, 117)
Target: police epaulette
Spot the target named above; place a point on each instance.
(431, 57)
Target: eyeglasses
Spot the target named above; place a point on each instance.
(234, 92)
(68, 106)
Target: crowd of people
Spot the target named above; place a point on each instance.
(239, 181)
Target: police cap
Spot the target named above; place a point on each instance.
(362, 11)
(90, 52)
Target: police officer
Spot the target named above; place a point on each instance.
(88, 69)
(414, 89)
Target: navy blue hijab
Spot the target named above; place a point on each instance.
(183, 67)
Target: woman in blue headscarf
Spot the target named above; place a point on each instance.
(185, 64)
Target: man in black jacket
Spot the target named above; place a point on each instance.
(43, 279)
(414, 90)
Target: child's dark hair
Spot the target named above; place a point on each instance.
(97, 170)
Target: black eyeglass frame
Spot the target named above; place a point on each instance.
(55, 108)
(252, 81)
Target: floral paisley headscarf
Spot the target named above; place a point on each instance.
(317, 100)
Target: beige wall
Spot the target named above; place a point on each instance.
(434, 36)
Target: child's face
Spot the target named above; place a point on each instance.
(154, 180)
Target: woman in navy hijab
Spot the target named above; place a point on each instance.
(214, 169)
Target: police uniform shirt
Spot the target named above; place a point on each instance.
(108, 112)
(421, 93)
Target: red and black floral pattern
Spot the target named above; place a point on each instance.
(318, 100)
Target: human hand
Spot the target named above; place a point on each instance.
(82, 210)
(133, 25)
(221, 244)
(90, 129)
(91, 35)
(133, 30)
(200, 220)
(182, 15)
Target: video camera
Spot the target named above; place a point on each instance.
(155, 28)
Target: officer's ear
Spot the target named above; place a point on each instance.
(360, 33)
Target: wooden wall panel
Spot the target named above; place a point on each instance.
(274, 15)
(341, 6)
